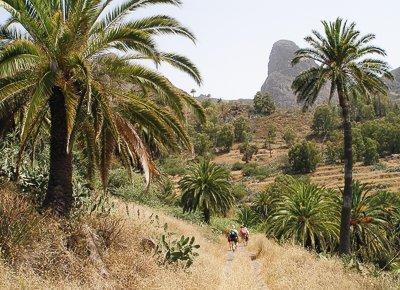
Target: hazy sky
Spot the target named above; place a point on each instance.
(235, 36)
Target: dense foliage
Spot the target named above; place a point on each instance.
(303, 157)
(263, 104)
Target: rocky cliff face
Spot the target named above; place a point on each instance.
(281, 74)
(394, 86)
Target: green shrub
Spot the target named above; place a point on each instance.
(371, 152)
(202, 144)
(333, 152)
(237, 166)
(325, 121)
(289, 137)
(240, 191)
(241, 127)
(303, 157)
(270, 138)
(224, 138)
(248, 150)
(256, 171)
(263, 104)
(173, 166)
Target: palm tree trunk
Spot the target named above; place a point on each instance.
(344, 246)
(59, 196)
(207, 215)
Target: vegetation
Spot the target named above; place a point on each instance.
(303, 157)
(263, 104)
(325, 121)
(248, 150)
(206, 188)
(270, 138)
(289, 136)
(241, 127)
(75, 84)
(305, 214)
(344, 58)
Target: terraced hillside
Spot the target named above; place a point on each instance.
(385, 175)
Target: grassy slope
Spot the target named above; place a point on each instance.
(46, 262)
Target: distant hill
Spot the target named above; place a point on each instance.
(281, 74)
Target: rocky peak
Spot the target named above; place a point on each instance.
(281, 73)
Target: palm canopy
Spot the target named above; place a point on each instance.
(343, 58)
(88, 51)
(206, 188)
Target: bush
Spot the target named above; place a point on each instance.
(371, 152)
(325, 121)
(224, 138)
(248, 150)
(263, 104)
(173, 166)
(333, 152)
(258, 172)
(240, 191)
(247, 217)
(237, 166)
(289, 137)
(303, 157)
(270, 138)
(241, 127)
(202, 144)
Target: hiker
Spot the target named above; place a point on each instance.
(244, 234)
(233, 238)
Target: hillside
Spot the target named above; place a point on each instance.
(385, 176)
(125, 263)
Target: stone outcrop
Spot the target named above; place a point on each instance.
(281, 74)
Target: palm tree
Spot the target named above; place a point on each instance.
(75, 63)
(206, 188)
(343, 58)
(304, 214)
(370, 221)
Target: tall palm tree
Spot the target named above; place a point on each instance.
(76, 63)
(343, 58)
(206, 188)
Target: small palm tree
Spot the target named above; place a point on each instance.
(304, 214)
(247, 217)
(76, 63)
(343, 58)
(206, 188)
(371, 221)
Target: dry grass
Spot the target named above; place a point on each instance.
(57, 257)
(292, 267)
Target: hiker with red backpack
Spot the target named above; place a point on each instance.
(244, 234)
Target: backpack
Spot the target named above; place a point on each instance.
(232, 235)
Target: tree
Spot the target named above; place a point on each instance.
(224, 138)
(263, 104)
(206, 188)
(303, 157)
(248, 150)
(270, 138)
(202, 144)
(324, 121)
(370, 153)
(289, 137)
(305, 214)
(74, 63)
(344, 60)
(241, 127)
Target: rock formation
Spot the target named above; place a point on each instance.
(281, 74)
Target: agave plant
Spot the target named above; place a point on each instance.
(370, 221)
(78, 64)
(206, 188)
(305, 214)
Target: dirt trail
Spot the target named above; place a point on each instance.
(241, 272)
